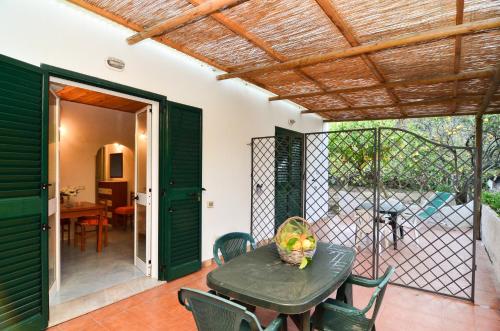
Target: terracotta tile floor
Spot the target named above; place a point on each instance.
(403, 309)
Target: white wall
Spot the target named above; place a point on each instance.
(317, 165)
(490, 236)
(85, 130)
(61, 34)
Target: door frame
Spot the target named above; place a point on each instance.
(57, 283)
(159, 104)
(144, 266)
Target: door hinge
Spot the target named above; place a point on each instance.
(45, 186)
(45, 227)
(149, 262)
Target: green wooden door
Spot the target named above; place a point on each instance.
(181, 183)
(288, 174)
(23, 198)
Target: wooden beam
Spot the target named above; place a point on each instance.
(490, 94)
(189, 15)
(346, 31)
(403, 104)
(404, 40)
(459, 19)
(373, 118)
(164, 40)
(136, 27)
(239, 30)
(402, 83)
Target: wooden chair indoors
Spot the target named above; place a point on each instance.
(87, 224)
(66, 228)
(125, 214)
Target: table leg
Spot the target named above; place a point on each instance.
(344, 293)
(394, 226)
(302, 321)
(99, 235)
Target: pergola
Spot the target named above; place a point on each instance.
(339, 59)
(342, 60)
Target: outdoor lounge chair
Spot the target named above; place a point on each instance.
(232, 245)
(428, 211)
(215, 313)
(336, 315)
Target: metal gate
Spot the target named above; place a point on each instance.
(398, 198)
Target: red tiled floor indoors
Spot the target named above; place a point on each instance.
(403, 309)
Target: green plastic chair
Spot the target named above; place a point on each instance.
(213, 313)
(336, 315)
(232, 245)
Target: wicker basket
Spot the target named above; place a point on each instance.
(294, 256)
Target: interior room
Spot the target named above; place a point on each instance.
(95, 168)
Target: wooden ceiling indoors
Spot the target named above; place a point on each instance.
(98, 99)
(340, 59)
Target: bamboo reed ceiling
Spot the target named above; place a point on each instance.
(397, 48)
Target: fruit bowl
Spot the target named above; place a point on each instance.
(296, 242)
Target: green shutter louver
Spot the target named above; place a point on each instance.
(288, 174)
(23, 204)
(182, 203)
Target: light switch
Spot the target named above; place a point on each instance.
(210, 204)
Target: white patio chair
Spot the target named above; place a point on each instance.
(364, 228)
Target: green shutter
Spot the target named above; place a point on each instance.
(181, 205)
(288, 174)
(23, 204)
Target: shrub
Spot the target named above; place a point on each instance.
(492, 199)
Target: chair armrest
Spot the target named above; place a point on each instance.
(216, 256)
(371, 302)
(252, 243)
(182, 299)
(276, 324)
(342, 310)
(363, 281)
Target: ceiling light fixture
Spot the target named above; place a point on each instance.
(115, 64)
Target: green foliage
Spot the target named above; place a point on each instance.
(415, 164)
(492, 199)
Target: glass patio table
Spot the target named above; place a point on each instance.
(259, 278)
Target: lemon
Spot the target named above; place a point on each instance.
(297, 246)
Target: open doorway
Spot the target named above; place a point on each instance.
(100, 201)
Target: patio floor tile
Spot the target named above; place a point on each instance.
(403, 309)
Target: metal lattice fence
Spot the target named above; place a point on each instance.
(434, 183)
(339, 176)
(396, 197)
